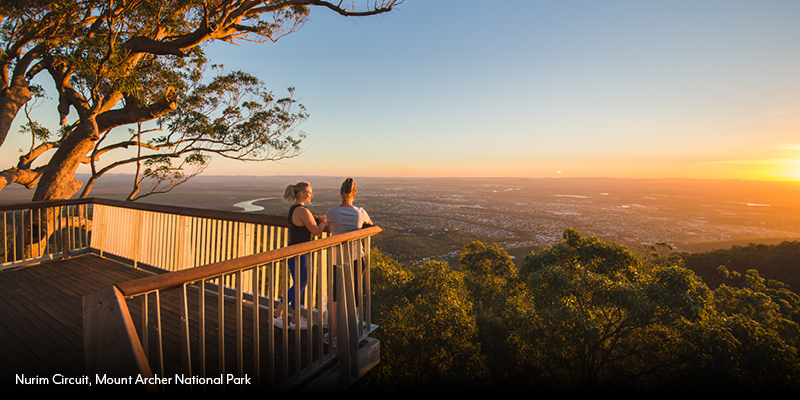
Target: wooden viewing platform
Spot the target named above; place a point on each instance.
(76, 275)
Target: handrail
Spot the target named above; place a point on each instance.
(42, 204)
(175, 279)
(234, 216)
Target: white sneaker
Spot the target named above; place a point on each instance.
(278, 322)
(303, 324)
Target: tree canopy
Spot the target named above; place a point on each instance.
(581, 315)
(427, 329)
(117, 64)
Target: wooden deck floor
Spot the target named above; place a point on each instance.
(41, 323)
(41, 314)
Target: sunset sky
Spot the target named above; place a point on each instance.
(630, 89)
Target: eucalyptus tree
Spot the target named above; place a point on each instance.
(122, 63)
(495, 291)
(598, 317)
(427, 330)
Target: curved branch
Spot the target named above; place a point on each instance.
(133, 112)
(385, 7)
(156, 187)
(26, 160)
(25, 177)
(228, 25)
(124, 145)
(88, 186)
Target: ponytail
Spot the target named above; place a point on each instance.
(290, 194)
(348, 188)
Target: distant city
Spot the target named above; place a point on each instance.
(519, 213)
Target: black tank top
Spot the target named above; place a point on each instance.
(297, 234)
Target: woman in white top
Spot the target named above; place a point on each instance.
(342, 219)
(347, 217)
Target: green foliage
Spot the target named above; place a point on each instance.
(36, 130)
(580, 253)
(490, 274)
(776, 309)
(495, 290)
(234, 116)
(602, 315)
(777, 262)
(735, 353)
(388, 280)
(426, 329)
(581, 315)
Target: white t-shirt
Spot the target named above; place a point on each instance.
(346, 219)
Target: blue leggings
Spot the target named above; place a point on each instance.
(303, 278)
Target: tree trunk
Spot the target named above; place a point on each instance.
(58, 177)
(11, 100)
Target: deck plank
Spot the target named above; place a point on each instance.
(41, 314)
(41, 323)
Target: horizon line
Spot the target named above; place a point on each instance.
(474, 177)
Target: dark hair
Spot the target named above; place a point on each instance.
(290, 194)
(348, 187)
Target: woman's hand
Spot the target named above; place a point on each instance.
(304, 216)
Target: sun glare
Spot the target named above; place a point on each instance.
(794, 172)
(788, 171)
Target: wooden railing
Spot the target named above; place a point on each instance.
(232, 263)
(260, 353)
(38, 231)
(175, 238)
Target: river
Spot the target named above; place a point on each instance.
(248, 206)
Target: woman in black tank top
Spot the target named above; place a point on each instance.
(302, 225)
(297, 234)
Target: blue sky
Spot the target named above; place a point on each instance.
(629, 89)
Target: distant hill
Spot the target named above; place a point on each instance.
(780, 262)
(710, 246)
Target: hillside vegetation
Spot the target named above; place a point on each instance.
(583, 315)
(779, 262)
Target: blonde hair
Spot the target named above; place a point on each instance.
(291, 192)
(348, 187)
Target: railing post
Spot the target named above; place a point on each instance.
(186, 351)
(367, 298)
(181, 245)
(137, 234)
(111, 346)
(342, 323)
(98, 237)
